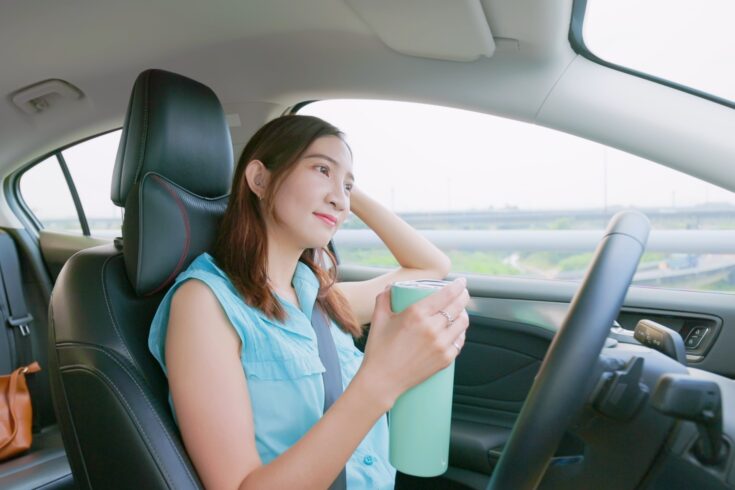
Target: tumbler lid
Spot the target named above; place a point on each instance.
(422, 284)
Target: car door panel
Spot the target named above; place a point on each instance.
(496, 369)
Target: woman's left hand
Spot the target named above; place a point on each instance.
(418, 258)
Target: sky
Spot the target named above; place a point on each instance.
(688, 41)
(416, 157)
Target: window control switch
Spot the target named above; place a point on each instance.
(695, 337)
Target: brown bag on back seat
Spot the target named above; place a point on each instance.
(16, 414)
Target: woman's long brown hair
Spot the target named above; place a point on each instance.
(241, 247)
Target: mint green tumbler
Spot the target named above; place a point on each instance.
(421, 417)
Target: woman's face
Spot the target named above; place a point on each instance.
(314, 199)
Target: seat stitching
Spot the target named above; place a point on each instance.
(95, 372)
(109, 307)
(53, 361)
(114, 324)
(150, 405)
(144, 137)
(124, 148)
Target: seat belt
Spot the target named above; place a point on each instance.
(18, 317)
(332, 376)
(16, 313)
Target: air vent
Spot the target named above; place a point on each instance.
(42, 96)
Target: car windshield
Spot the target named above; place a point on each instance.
(508, 198)
(682, 41)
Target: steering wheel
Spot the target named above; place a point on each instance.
(562, 383)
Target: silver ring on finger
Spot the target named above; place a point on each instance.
(446, 315)
(459, 349)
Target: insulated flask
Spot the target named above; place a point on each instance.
(421, 417)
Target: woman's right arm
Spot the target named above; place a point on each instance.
(210, 393)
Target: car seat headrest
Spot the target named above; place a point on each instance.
(173, 175)
(176, 128)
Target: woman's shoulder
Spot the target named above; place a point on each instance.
(203, 283)
(192, 293)
(204, 277)
(202, 288)
(204, 267)
(204, 262)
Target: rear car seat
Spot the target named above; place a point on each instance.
(45, 465)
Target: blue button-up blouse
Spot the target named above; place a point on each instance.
(283, 369)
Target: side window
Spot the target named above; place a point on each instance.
(47, 195)
(46, 191)
(503, 197)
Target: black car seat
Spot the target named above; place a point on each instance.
(172, 175)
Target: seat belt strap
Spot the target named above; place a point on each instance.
(332, 376)
(18, 317)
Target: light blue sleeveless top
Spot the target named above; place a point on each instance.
(284, 371)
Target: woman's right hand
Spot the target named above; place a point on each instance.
(404, 349)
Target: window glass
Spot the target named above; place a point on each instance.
(687, 42)
(45, 192)
(90, 164)
(502, 197)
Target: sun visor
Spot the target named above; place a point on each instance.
(455, 30)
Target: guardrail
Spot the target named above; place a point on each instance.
(668, 241)
(717, 246)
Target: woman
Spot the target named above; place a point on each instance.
(238, 346)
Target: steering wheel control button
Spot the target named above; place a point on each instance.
(620, 393)
(662, 339)
(368, 460)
